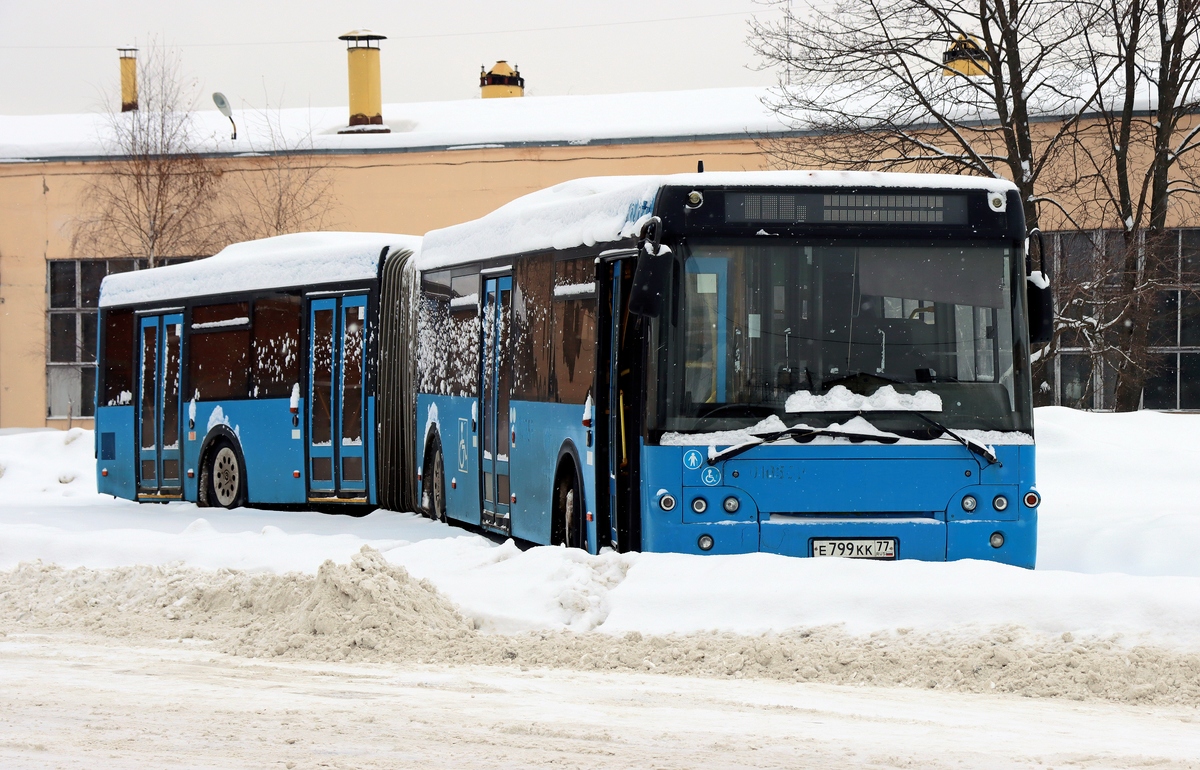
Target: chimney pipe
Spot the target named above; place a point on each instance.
(501, 82)
(129, 91)
(366, 104)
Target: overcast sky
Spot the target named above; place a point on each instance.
(60, 55)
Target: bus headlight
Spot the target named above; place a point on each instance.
(997, 539)
(699, 505)
(705, 542)
(1032, 499)
(731, 504)
(667, 502)
(969, 502)
(999, 502)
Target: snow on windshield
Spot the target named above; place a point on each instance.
(840, 399)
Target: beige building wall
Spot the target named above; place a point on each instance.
(402, 192)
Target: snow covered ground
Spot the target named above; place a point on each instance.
(1120, 503)
(1111, 616)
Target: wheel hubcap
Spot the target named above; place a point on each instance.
(225, 476)
(571, 517)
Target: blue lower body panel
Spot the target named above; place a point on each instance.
(116, 458)
(778, 499)
(272, 448)
(541, 436)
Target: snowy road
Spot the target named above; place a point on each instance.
(70, 704)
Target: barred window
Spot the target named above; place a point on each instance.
(72, 299)
(1094, 260)
(72, 296)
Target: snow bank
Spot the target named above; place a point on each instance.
(370, 610)
(299, 259)
(1120, 492)
(584, 212)
(1118, 498)
(46, 466)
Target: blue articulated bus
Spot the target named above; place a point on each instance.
(804, 363)
(247, 377)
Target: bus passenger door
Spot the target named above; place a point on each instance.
(619, 381)
(496, 385)
(616, 448)
(337, 432)
(159, 346)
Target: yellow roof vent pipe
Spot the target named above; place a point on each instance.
(965, 57)
(366, 103)
(128, 79)
(501, 81)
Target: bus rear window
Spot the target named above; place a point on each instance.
(118, 358)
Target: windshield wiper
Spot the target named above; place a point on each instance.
(801, 434)
(972, 445)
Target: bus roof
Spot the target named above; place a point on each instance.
(300, 259)
(583, 212)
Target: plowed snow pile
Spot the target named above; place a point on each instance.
(370, 610)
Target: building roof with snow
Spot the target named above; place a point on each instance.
(719, 113)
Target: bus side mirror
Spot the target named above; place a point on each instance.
(652, 275)
(1041, 309)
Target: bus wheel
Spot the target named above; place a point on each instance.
(433, 491)
(224, 479)
(571, 530)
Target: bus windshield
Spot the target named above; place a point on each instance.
(776, 328)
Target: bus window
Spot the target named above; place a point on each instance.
(703, 334)
(322, 389)
(276, 346)
(574, 329)
(149, 379)
(352, 379)
(762, 322)
(531, 336)
(436, 283)
(219, 351)
(118, 358)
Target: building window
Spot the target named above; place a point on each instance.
(1092, 259)
(72, 296)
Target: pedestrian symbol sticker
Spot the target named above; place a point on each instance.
(692, 459)
(711, 477)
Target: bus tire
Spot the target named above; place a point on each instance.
(433, 487)
(570, 528)
(223, 477)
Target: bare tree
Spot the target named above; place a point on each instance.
(286, 188)
(1135, 159)
(154, 195)
(1108, 318)
(868, 79)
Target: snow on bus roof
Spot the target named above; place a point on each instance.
(300, 259)
(584, 212)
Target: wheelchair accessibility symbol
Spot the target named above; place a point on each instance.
(711, 477)
(692, 459)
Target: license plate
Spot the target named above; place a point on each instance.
(855, 548)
